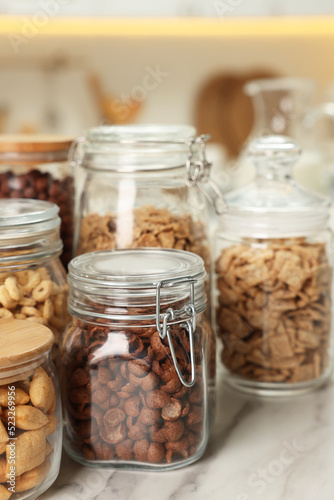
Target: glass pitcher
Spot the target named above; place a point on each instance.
(284, 106)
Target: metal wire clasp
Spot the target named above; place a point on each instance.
(189, 325)
(198, 172)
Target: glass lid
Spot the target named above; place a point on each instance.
(145, 133)
(273, 204)
(16, 212)
(131, 278)
(136, 148)
(23, 218)
(135, 268)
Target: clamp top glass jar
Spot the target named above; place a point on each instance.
(274, 278)
(30, 421)
(36, 167)
(135, 370)
(146, 186)
(32, 279)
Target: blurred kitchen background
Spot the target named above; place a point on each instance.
(66, 65)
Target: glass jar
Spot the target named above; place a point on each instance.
(36, 167)
(32, 279)
(146, 186)
(284, 106)
(30, 421)
(274, 278)
(135, 374)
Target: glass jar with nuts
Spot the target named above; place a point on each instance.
(32, 279)
(135, 375)
(36, 167)
(274, 278)
(30, 418)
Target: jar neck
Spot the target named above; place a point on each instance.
(16, 251)
(32, 158)
(134, 308)
(118, 158)
(280, 106)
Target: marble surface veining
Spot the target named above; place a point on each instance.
(259, 449)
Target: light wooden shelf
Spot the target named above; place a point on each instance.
(173, 27)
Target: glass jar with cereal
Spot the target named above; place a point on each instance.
(145, 186)
(136, 374)
(274, 278)
(36, 167)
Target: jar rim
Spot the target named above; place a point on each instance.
(124, 268)
(146, 133)
(136, 148)
(29, 231)
(20, 211)
(122, 280)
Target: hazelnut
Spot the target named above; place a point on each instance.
(116, 383)
(113, 417)
(114, 400)
(124, 395)
(140, 450)
(137, 431)
(103, 375)
(80, 395)
(100, 395)
(172, 411)
(138, 368)
(131, 406)
(172, 386)
(156, 368)
(124, 449)
(79, 378)
(160, 351)
(173, 430)
(157, 399)
(195, 415)
(185, 409)
(150, 382)
(157, 435)
(113, 435)
(149, 417)
(156, 453)
(180, 445)
(196, 393)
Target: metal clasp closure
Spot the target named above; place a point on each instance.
(189, 325)
(198, 172)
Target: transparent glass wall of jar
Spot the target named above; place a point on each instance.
(146, 186)
(32, 279)
(30, 421)
(36, 167)
(274, 278)
(136, 374)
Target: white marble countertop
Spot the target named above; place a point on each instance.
(270, 449)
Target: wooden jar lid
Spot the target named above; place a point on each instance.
(22, 341)
(29, 143)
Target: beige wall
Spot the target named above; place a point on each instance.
(123, 64)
